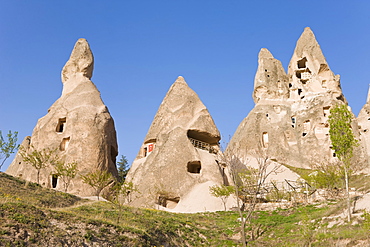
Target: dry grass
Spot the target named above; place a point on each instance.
(66, 220)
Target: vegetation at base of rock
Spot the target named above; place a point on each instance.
(98, 180)
(14, 189)
(71, 221)
(120, 194)
(66, 171)
(222, 192)
(39, 159)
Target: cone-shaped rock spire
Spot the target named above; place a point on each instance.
(271, 81)
(182, 107)
(80, 63)
(79, 67)
(177, 161)
(78, 125)
(309, 71)
(290, 120)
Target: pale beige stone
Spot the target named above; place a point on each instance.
(290, 118)
(177, 161)
(271, 80)
(78, 125)
(364, 129)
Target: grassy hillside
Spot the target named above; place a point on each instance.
(34, 216)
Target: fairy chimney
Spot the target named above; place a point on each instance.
(177, 162)
(364, 127)
(78, 125)
(290, 119)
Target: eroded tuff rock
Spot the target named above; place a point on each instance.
(364, 128)
(177, 161)
(290, 118)
(78, 125)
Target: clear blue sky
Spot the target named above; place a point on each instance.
(141, 47)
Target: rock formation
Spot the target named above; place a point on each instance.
(78, 125)
(177, 161)
(364, 128)
(290, 118)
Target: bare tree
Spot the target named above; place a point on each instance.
(249, 181)
(120, 194)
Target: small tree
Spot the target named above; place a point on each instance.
(66, 171)
(98, 180)
(122, 168)
(343, 142)
(39, 159)
(120, 194)
(249, 182)
(7, 147)
(222, 192)
(328, 176)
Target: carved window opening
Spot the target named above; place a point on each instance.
(265, 139)
(293, 122)
(168, 202)
(299, 91)
(194, 167)
(332, 151)
(324, 84)
(148, 147)
(54, 180)
(305, 76)
(203, 140)
(290, 85)
(306, 127)
(64, 144)
(341, 97)
(303, 73)
(61, 125)
(326, 110)
(302, 63)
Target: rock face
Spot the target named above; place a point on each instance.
(290, 118)
(177, 161)
(78, 125)
(364, 127)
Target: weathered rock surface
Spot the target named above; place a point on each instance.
(78, 125)
(290, 118)
(364, 128)
(177, 161)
